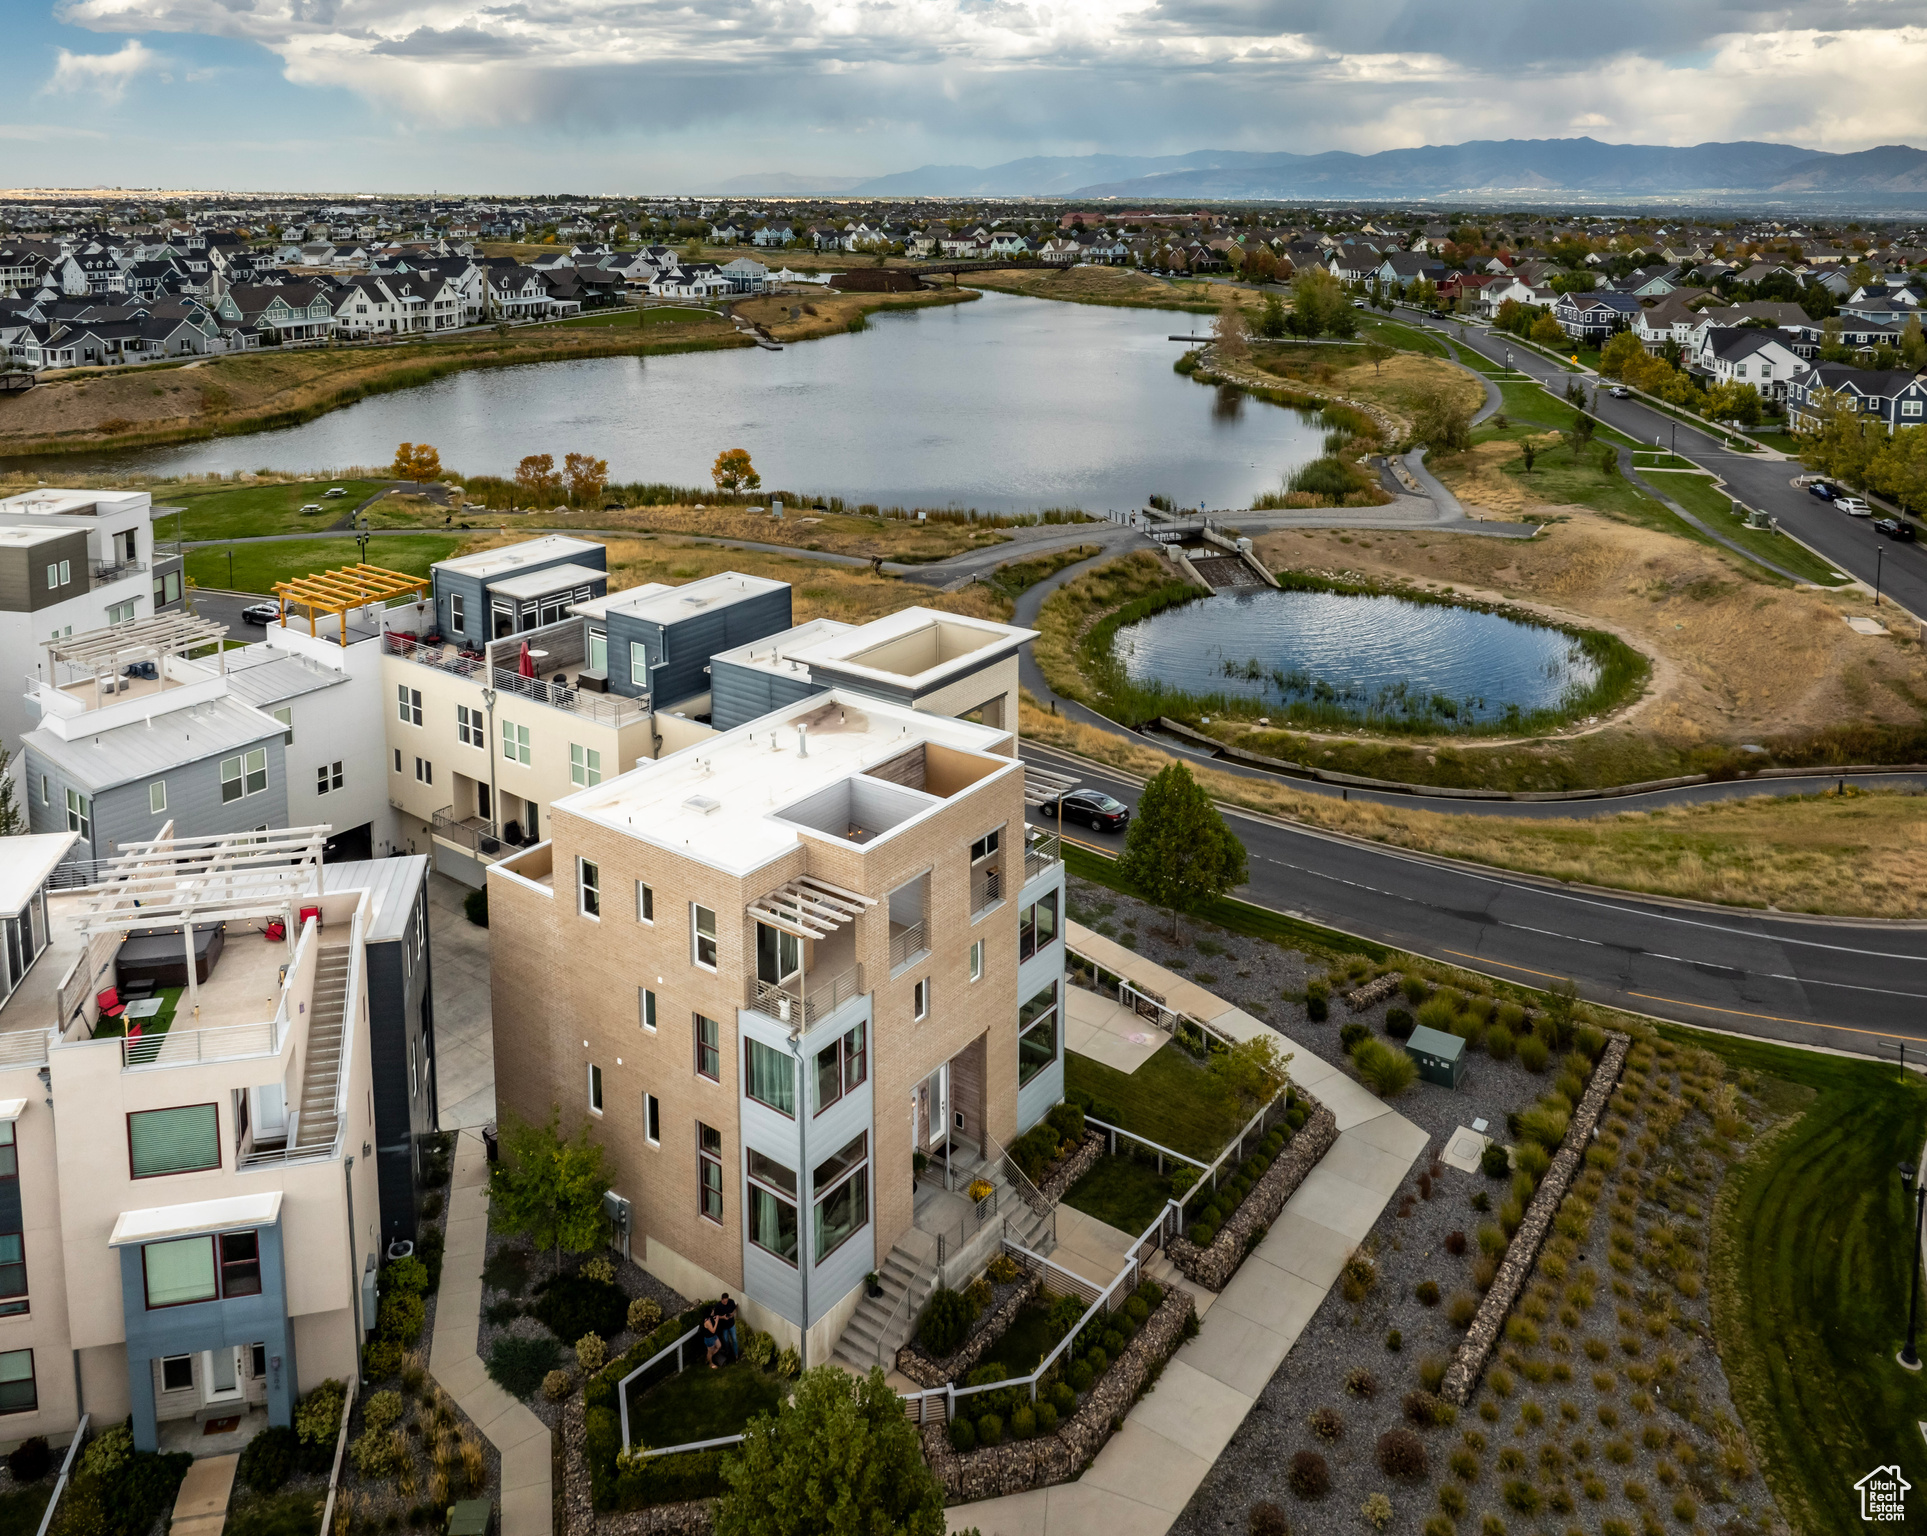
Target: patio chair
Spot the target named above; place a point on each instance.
(306, 913)
(276, 931)
(111, 1007)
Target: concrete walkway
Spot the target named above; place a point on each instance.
(520, 1437)
(1148, 1471)
(200, 1508)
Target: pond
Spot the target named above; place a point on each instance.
(1313, 657)
(1002, 404)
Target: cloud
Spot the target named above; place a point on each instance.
(105, 73)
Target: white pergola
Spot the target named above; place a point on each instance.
(809, 908)
(106, 653)
(199, 880)
(1041, 784)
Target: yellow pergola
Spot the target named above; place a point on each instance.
(336, 592)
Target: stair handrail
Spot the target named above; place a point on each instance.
(1026, 1191)
(349, 996)
(907, 1300)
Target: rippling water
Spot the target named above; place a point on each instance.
(1002, 403)
(1356, 655)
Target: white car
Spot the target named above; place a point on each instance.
(1853, 506)
(313, 506)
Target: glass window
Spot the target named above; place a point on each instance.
(408, 704)
(842, 1187)
(457, 613)
(1037, 1034)
(709, 1165)
(240, 1263)
(589, 881)
(709, 1049)
(327, 778)
(469, 725)
(585, 766)
(177, 1373)
(180, 1271)
(646, 1006)
(157, 797)
(920, 999)
(769, 1077)
(515, 742)
(595, 1088)
(639, 665)
(840, 1067)
(286, 716)
(652, 1118)
(80, 808)
(1037, 925)
(599, 651)
(703, 922)
(977, 961)
(985, 846)
(161, 1141)
(779, 955)
(772, 1207)
(257, 770)
(645, 903)
(17, 1393)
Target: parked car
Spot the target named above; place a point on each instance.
(1092, 807)
(336, 490)
(1894, 528)
(1853, 506)
(261, 613)
(1821, 489)
(1620, 392)
(1360, 304)
(313, 506)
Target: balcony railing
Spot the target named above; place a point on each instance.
(113, 570)
(907, 943)
(611, 709)
(986, 889)
(1040, 852)
(187, 1047)
(807, 998)
(478, 836)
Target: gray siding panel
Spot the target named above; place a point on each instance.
(402, 1060)
(23, 573)
(194, 803)
(689, 643)
(740, 694)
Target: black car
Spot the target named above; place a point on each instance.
(1894, 528)
(1090, 806)
(261, 613)
(1821, 489)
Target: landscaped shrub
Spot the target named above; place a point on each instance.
(517, 1365)
(557, 1385)
(1534, 1053)
(119, 1491)
(572, 1305)
(1398, 1023)
(1360, 1382)
(1545, 1126)
(1401, 1454)
(409, 1274)
(1499, 1043)
(1310, 1477)
(1394, 1340)
(1317, 1008)
(945, 1323)
(1495, 1162)
(30, 1460)
(1267, 1519)
(317, 1423)
(963, 1435)
(1428, 1410)
(1327, 1424)
(402, 1314)
(1455, 1243)
(1068, 1118)
(644, 1314)
(378, 1454)
(1202, 1233)
(979, 1294)
(1532, 1160)
(382, 1409)
(1063, 1398)
(1416, 989)
(1135, 1309)
(1003, 1269)
(1461, 1309)
(1385, 1069)
(1035, 1150)
(1590, 1040)
(1080, 1376)
(1440, 1012)
(1099, 1361)
(590, 1353)
(1023, 1423)
(1427, 1292)
(267, 1461)
(1350, 1034)
(475, 907)
(990, 1430)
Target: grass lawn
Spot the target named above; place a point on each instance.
(1557, 476)
(628, 315)
(1121, 1192)
(159, 1024)
(1027, 1340)
(1810, 1273)
(1171, 1099)
(1647, 458)
(1395, 333)
(282, 1514)
(245, 512)
(1020, 576)
(701, 1404)
(1696, 493)
(257, 567)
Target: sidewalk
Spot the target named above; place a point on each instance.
(520, 1437)
(1147, 1472)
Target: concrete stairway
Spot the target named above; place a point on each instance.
(318, 1117)
(881, 1325)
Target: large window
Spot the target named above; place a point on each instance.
(80, 813)
(589, 882)
(162, 1141)
(1037, 1034)
(240, 1263)
(470, 724)
(639, 665)
(769, 1077)
(180, 1272)
(772, 1207)
(841, 1185)
(17, 1393)
(709, 1049)
(327, 778)
(408, 704)
(245, 775)
(779, 955)
(585, 766)
(702, 924)
(1037, 925)
(840, 1067)
(515, 742)
(13, 1255)
(709, 1167)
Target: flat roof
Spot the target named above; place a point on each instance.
(262, 675)
(26, 538)
(57, 501)
(598, 607)
(510, 558)
(30, 859)
(391, 885)
(775, 654)
(168, 739)
(164, 1221)
(659, 604)
(550, 578)
(719, 800)
(918, 649)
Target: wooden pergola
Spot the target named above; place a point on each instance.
(352, 586)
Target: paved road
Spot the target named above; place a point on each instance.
(1811, 981)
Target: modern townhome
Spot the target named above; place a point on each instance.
(198, 1059)
(1893, 397)
(74, 560)
(803, 978)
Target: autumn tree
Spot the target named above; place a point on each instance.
(537, 478)
(1547, 331)
(1617, 353)
(586, 476)
(1231, 335)
(1443, 421)
(733, 472)
(416, 462)
(1317, 300)
(1898, 469)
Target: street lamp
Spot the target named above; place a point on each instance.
(1879, 554)
(1909, 1357)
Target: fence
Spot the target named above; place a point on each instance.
(1145, 1004)
(906, 944)
(802, 1004)
(611, 709)
(673, 1354)
(341, 1446)
(222, 1042)
(1232, 1154)
(66, 1470)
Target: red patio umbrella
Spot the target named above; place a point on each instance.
(525, 663)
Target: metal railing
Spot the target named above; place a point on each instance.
(26, 1048)
(113, 570)
(907, 944)
(808, 999)
(909, 1302)
(1209, 1174)
(622, 1399)
(485, 842)
(66, 1470)
(986, 889)
(220, 1042)
(1041, 851)
(611, 709)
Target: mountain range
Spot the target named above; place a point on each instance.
(1534, 168)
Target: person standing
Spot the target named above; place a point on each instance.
(725, 1311)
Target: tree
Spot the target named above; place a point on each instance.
(1835, 442)
(548, 1189)
(586, 477)
(1734, 402)
(1272, 322)
(1617, 353)
(1254, 1069)
(1317, 299)
(537, 477)
(1179, 853)
(416, 462)
(1833, 345)
(1529, 451)
(1547, 331)
(732, 471)
(1899, 470)
(1443, 421)
(12, 823)
(838, 1458)
(1230, 333)
(1377, 351)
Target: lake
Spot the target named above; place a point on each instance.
(1332, 657)
(1003, 404)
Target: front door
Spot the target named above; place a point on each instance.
(221, 1380)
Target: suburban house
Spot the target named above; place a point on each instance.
(287, 313)
(1745, 355)
(1592, 317)
(1893, 397)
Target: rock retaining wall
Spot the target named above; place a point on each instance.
(1068, 1170)
(1214, 1266)
(1523, 1251)
(578, 1506)
(1019, 1465)
(928, 1372)
(1373, 992)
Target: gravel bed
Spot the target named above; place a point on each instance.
(634, 1280)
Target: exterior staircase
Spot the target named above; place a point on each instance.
(318, 1117)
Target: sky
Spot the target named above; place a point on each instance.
(634, 96)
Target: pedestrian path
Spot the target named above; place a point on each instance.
(200, 1508)
(527, 1500)
(1148, 1471)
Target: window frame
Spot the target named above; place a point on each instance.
(223, 1265)
(471, 727)
(1050, 1015)
(920, 1000)
(515, 743)
(585, 765)
(588, 886)
(652, 1119)
(977, 960)
(706, 1160)
(134, 1114)
(157, 798)
(697, 937)
(424, 772)
(711, 1050)
(595, 1089)
(1028, 943)
(756, 1183)
(31, 1379)
(328, 777)
(214, 1273)
(408, 704)
(645, 903)
(186, 1360)
(751, 1046)
(457, 613)
(646, 1008)
(823, 1190)
(852, 1067)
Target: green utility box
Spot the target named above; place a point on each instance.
(470, 1518)
(1440, 1057)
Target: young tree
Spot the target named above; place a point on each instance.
(1913, 345)
(416, 462)
(1272, 322)
(1179, 852)
(549, 1189)
(838, 1458)
(1253, 1069)
(1377, 351)
(586, 476)
(1547, 331)
(1529, 451)
(1899, 470)
(1617, 353)
(12, 823)
(538, 479)
(1230, 333)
